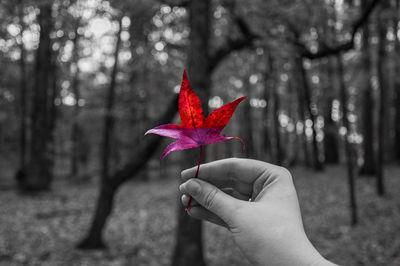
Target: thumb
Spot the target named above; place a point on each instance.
(211, 198)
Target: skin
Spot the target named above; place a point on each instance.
(257, 203)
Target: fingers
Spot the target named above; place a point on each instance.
(235, 173)
(198, 212)
(185, 201)
(244, 170)
(233, 193)
(211, 198)
(277, 184)
(246, 176)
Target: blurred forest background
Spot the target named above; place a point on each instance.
(82, 80)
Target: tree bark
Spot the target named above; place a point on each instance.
(104, 206)
(292, 153)
(268, 86)
(39, 175)
(109, 187)
(52, 108)
(23, 99)
(330, 135)
(109, 120)
(396, 21)
(369, 166)
(75, 124)
(331, 141)
(189, 247)
(277, 126)
(247, 126)
(301, 106)
(317, 164)
(348, 148)
(331, 132)
(383, 88)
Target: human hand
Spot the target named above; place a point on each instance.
(257, 203)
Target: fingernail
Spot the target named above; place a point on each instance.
(193, 187)
(183, 174)
(181, 187)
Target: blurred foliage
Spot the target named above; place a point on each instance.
(154, 42)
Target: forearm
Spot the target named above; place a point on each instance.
(294, 250)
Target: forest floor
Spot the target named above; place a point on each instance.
(44, 229)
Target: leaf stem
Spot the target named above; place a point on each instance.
(197, 174)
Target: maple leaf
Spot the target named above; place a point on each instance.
(196, 130)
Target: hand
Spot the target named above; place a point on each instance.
(257, 203)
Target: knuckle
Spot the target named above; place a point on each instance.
(233, 160)
(232, 166)
(210, 198)
(284, 173)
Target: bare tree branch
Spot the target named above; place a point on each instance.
(145, 150)
(231, 45)
(329, 50)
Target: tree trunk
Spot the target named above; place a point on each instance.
(318, 166)
(368, 167)
(292, 152)
(109, 187)
(75, 124)
(189, 247)
(331, 141)
(348, 148)
(331, 132)
(383, 87)
(268, 86)
(397, 83)
(109, 116)
(247, 126)
(331, 137)
(20, 175)
(277, 127)
(52, 108)
(275, 102)
(303, 137)
(104, 207)
(39, 175)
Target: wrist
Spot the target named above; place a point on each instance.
(311, 257)
(295, 249)
(323, 262)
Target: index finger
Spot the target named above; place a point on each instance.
(233, 172)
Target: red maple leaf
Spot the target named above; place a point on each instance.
(196, 130)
